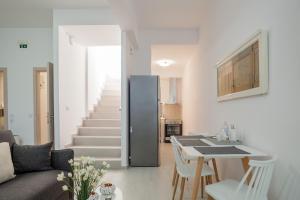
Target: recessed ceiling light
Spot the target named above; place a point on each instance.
(165, 62)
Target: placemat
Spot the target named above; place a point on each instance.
(189, 137)
(192, 143)
(220, 150)
(223, 142)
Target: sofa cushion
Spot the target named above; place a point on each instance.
(34, 186)
(7, 136)
(6, 165)
(29, 158)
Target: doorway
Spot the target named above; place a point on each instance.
(43, 105)
(3, 99)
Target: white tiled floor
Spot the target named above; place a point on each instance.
(149, 183)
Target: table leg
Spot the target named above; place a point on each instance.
(197, 178)
(245, 162)
(216, 169)
(174, 175)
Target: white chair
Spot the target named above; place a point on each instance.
(187, 170)
(214, 162)
(260, 173)
(208, 160)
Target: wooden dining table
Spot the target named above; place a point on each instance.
(205, 149)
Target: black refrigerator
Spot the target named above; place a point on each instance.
(144, 113)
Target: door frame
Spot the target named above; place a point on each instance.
(36, 70)
(5, 93)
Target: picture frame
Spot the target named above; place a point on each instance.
(245, 72)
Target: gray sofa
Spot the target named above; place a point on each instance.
(37, 185)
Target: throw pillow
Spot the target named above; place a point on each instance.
(6, 164)
(30, 158)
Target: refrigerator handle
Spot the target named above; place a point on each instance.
(130, 129)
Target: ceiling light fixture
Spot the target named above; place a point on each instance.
(165, 62)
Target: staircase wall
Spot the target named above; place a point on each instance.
(71, 87)
(99, 70)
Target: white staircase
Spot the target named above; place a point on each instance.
(100, 133)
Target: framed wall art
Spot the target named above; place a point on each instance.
(245, 71)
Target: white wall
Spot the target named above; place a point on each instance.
(269, 122)
(72, 17)
(103, 62)
(128, 65)
(171, 72)
(72, 83)
(20, 63)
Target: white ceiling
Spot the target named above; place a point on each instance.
(168, 13)
(50, 4)
(181, 54)
(38, 13)
(145, 14)
(94, 35)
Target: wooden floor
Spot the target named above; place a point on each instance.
(147, 183)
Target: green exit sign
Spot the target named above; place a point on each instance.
(23, 46)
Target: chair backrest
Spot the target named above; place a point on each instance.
(261, 175)
(180, 162)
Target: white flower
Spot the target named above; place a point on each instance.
(85, 178)
(91, 161)
(90, 168)
(60, 177)
(84, 160)
(82, 171)
(65, 188)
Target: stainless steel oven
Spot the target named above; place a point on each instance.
(172, 128)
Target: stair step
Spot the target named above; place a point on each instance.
(105, 115)
(115, 93)
(113, 87)
(101, 123)
(107, 109)
(115, 163)
(97, 140)
(110, 98)
(114, 103)
(113, 80)
(99, 131)
(113, 83)
(111, 92)
(97, 151)
(100, 135)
